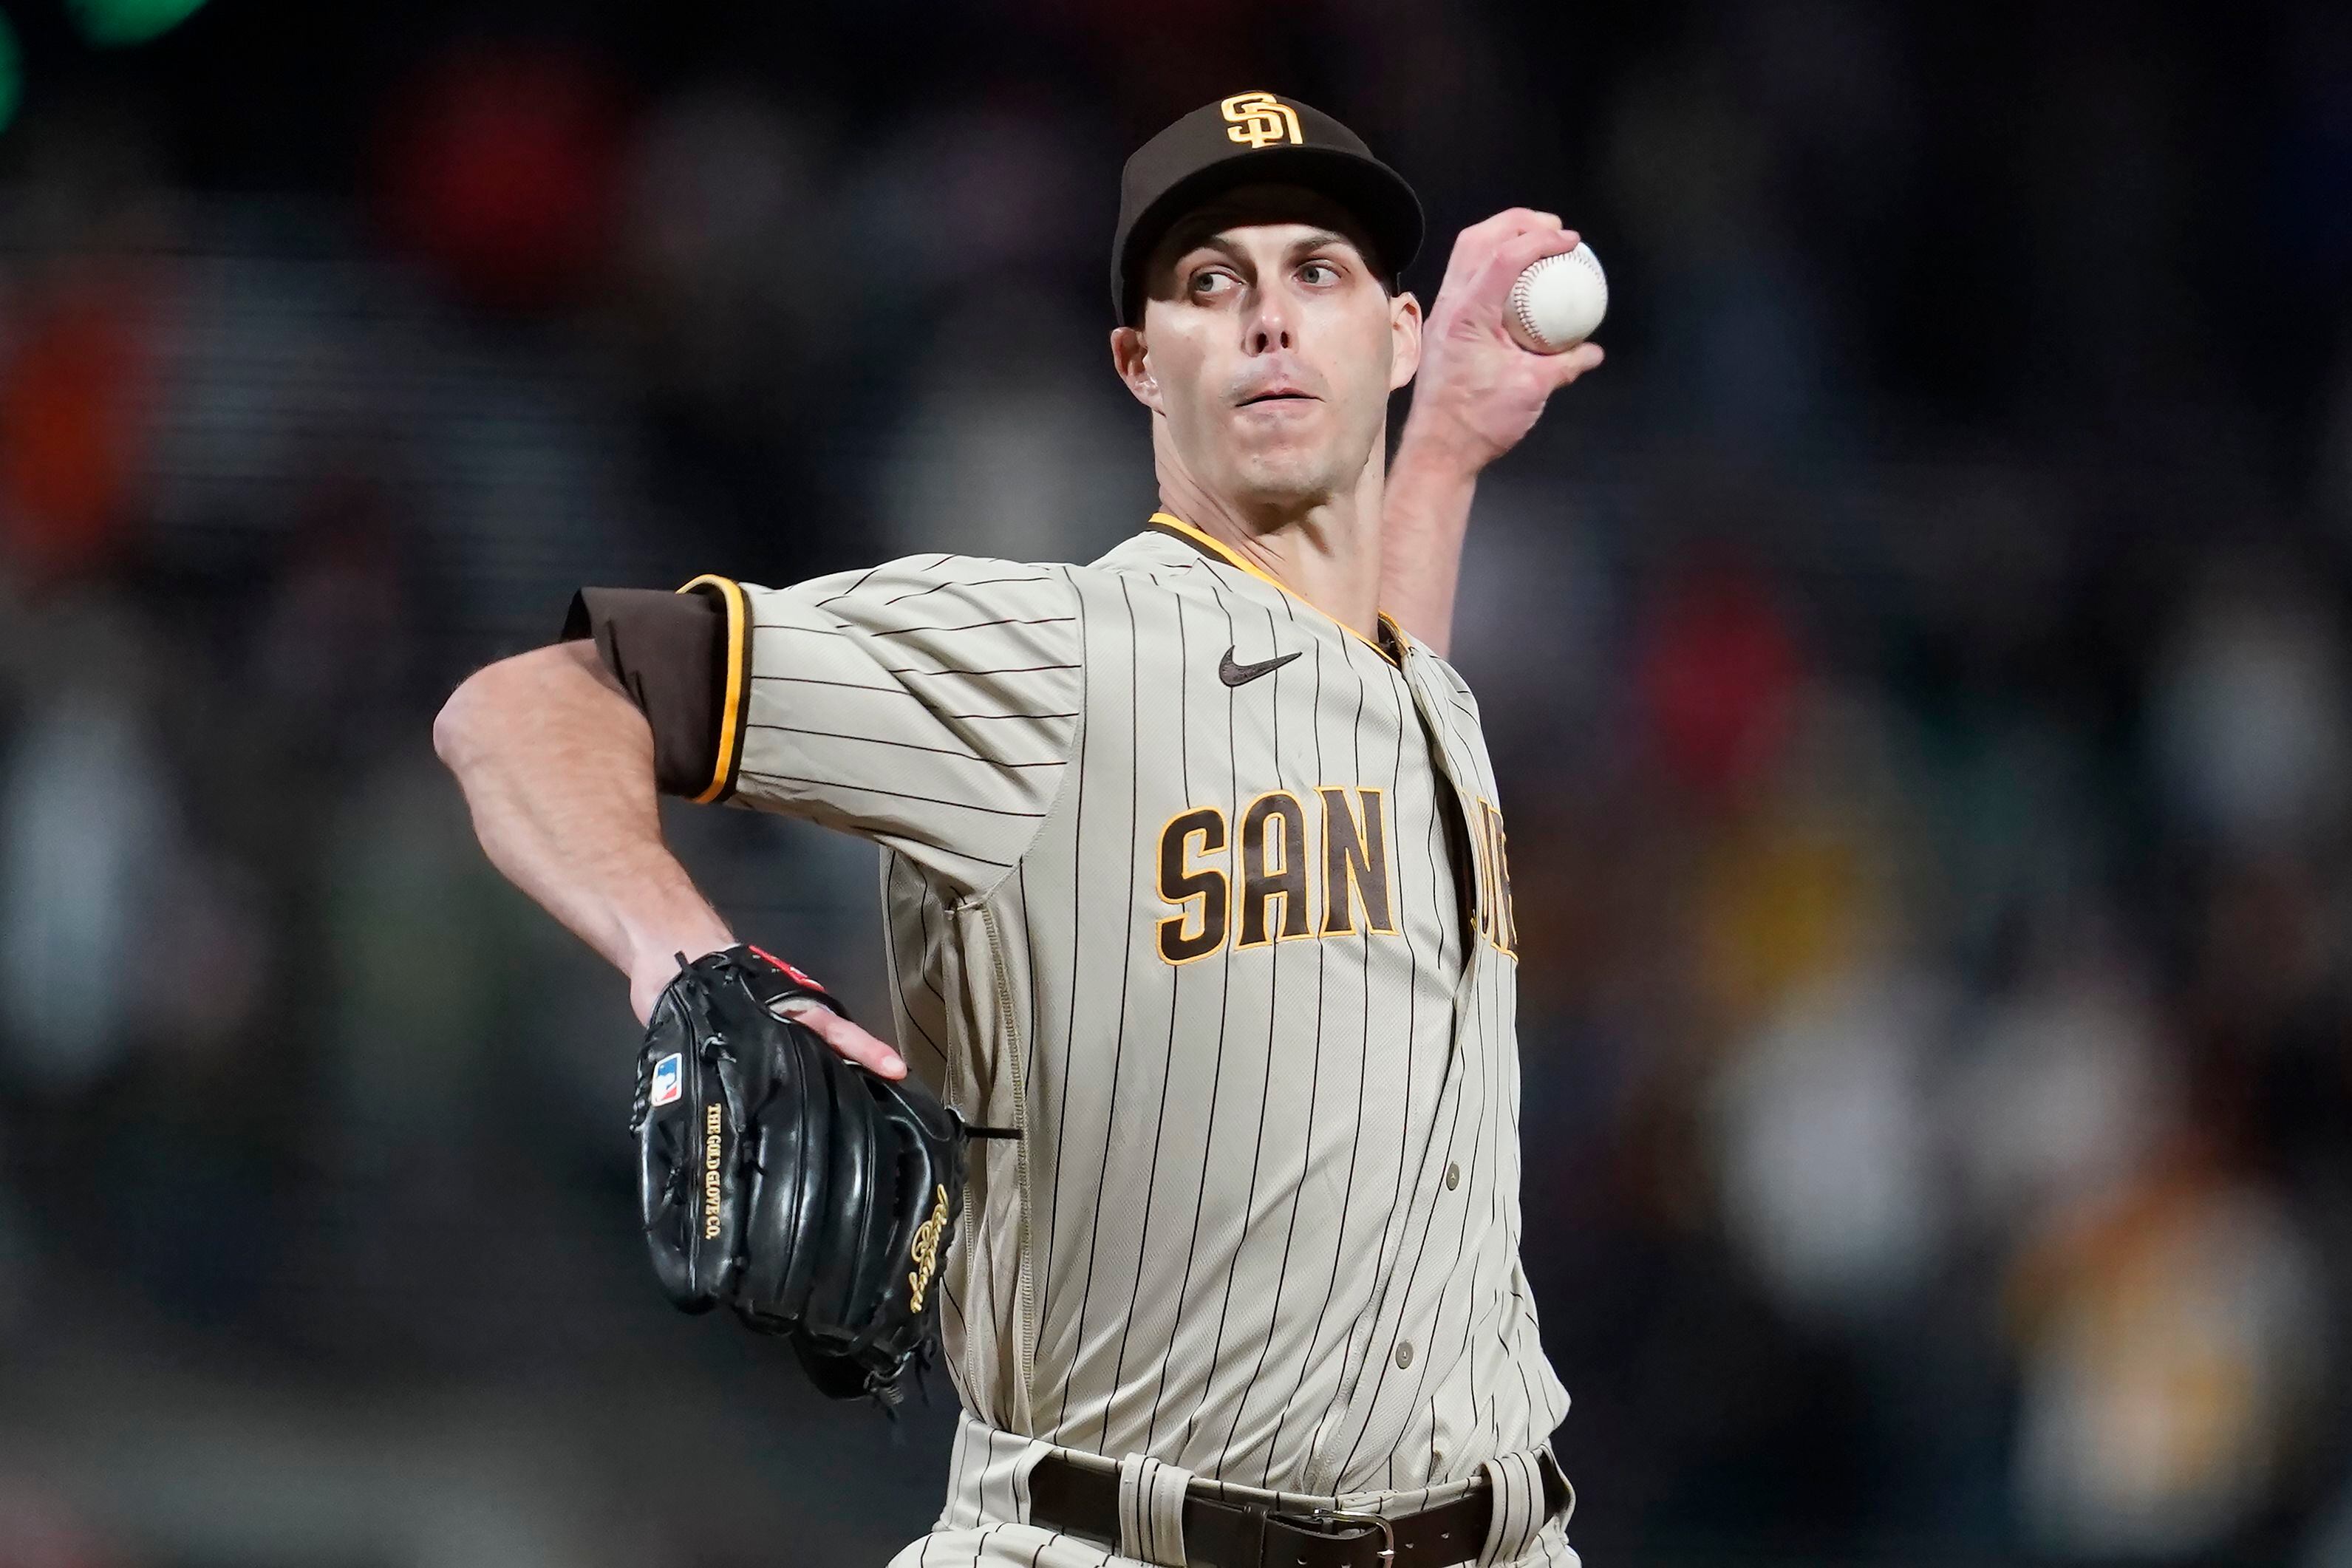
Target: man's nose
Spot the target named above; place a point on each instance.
(1269, 325)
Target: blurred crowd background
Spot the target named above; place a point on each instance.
(1919, 668)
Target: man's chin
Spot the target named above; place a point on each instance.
(1286, 474)
(1282, 488)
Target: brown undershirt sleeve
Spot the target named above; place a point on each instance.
(670, 654)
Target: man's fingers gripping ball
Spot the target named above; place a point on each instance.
(1557, 300)
(1514, 254)
(1566, 366)
(1508, 224)
(1525, 276)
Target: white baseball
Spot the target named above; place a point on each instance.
(1557, 301)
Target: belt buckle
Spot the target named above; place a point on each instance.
(1368, 1521)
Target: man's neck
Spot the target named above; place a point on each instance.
(1326, 551)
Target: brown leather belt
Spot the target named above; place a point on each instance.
(1225, 1534)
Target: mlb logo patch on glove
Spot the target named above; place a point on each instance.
(667, 1078)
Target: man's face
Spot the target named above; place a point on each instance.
(1269, 347)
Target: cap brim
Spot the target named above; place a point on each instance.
(1374, 194)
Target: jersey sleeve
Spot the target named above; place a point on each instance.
(931, 704)
(668, 651)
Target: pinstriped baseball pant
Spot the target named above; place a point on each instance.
(985, 1522)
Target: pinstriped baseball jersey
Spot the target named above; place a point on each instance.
(1209, 896)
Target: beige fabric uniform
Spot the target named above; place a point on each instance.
(1209, 897)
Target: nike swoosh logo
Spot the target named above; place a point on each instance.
(1234, 674)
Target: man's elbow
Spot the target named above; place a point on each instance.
(556, 697)
(486, 703)
(459, 727)
(499, 702)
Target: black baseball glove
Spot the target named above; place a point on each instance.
(816, 1198)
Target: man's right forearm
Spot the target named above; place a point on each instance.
(557, 765)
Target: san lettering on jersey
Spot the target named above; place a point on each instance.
(1303, 867)
(1295, 869)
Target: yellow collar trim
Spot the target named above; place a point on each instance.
(1224, 552)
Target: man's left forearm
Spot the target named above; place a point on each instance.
(1424, 517)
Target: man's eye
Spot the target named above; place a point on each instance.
(1318, 274)
(1208, 285)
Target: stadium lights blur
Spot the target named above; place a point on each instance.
(11, 76)
(110, 22)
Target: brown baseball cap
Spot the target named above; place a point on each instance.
(1248, 139)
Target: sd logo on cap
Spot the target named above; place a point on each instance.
(1260, 119)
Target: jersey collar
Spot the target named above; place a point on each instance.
(1176, 527)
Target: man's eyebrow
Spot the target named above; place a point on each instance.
(1319, 238)
(1221, 239)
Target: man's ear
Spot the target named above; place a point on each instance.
(1404, 331)
(1132, 360)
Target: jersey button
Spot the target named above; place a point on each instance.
(1404, 1354)
(1453, 1177)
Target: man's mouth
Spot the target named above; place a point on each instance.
(1281, 395)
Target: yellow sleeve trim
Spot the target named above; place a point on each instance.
(731, 713)
(1218, 548)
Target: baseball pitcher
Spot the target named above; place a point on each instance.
(1198, 895)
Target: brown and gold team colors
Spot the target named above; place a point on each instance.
(1209, 897)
